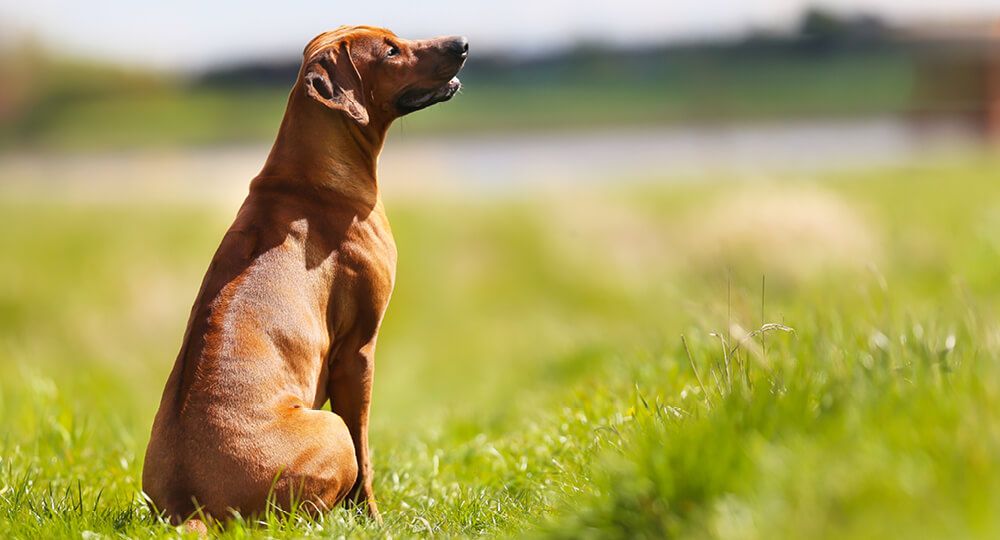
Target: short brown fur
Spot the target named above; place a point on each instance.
(289, 310)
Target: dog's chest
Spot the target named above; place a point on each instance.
(363, 273)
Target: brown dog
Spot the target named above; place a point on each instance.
(290, 308)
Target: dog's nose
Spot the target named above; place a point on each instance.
(459, 46)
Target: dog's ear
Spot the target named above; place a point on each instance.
(332, 79)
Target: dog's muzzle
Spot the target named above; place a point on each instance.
(416, 99)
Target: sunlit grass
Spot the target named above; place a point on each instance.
(532, 376)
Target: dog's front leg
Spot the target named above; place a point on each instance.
(350, 397)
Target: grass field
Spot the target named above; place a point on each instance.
(576, 367)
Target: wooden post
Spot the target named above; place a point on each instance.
(992, 104)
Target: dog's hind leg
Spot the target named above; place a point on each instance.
(321, 467)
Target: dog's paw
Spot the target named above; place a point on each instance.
(195, 526)
(371, 509)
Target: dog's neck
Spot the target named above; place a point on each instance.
(324, 149)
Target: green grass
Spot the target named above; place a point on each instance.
(532, 377)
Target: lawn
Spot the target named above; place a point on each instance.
(782, 359)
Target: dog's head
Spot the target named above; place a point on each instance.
(374, 76)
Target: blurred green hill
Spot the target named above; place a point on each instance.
(830, 67)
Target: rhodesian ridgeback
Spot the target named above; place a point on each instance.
(289, 311)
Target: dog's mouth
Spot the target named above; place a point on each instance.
(421, 98)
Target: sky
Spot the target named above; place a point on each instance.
(194, 34)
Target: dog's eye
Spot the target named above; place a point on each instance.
(393, 51)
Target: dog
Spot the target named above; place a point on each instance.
(289, 311)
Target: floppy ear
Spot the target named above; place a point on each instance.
(332, 79)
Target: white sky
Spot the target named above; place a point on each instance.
(190, 34)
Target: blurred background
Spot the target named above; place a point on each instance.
(613, 175)
(678, 89)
